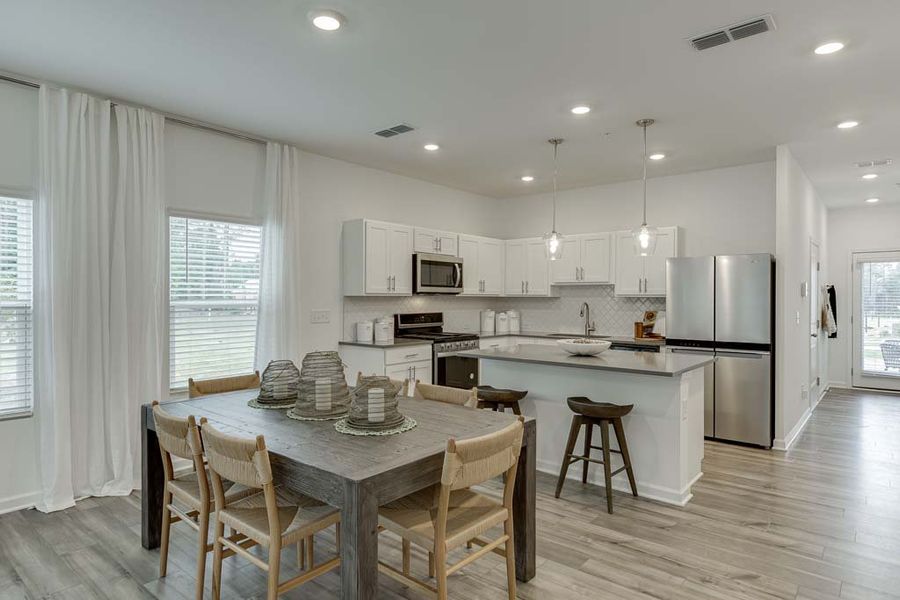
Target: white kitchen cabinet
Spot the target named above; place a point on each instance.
(585, 259)
(483, 260)
(397, 362)
(527, 268)
(376, 258)
(644, 275)
(433, 241)
(496, 342)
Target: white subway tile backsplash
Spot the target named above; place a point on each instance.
(613, 315)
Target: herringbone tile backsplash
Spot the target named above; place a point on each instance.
(613, 316)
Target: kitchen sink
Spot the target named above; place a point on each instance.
(576, 335)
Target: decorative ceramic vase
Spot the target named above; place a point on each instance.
(279, 384)
(373, 404)
(323, 392)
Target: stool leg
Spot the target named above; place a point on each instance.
(570, 446)
(607, 469)
(515, 408)
(623, 448)
(588, 434)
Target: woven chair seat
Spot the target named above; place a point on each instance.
(186, 489)
(598, 410)
(413, 517)
(299, 516)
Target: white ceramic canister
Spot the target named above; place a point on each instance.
(487, 321)
(384, 329)
(514, 321)
(502, 326)
(364, 331)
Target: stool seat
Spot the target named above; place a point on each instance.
(488, 393)
(597, 410)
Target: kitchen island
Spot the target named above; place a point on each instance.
(664, 431)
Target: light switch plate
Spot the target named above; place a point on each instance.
(320, 316)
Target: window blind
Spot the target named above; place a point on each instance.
(880, 295)
(16, 323)
(213, 298)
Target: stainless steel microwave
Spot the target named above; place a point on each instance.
(437, 274)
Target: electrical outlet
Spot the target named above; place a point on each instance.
(320, 316)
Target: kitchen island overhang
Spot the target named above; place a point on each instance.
(664, 430)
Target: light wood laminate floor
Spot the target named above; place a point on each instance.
(821, 521)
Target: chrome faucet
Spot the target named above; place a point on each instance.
(589, 327)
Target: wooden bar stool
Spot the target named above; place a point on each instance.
(499, 400)
(602, 414)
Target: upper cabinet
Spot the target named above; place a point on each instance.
(377, 258)
(586, 258)
(527, 268)
(644, 275)
(432, 241)
(483, 265)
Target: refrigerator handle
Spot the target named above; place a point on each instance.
(741, 354)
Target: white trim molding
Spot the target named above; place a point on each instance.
(785, 444)
(19, 502)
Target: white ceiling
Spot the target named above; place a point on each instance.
(490, 81)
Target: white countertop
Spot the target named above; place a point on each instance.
(663, 364)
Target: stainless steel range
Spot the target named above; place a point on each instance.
(448, 369)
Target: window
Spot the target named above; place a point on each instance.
(213, 296)
(16, 324)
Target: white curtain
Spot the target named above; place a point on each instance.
(99, 250)
(278, 324)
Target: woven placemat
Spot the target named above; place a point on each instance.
(254, 403)
(293, 415)
(344, 427)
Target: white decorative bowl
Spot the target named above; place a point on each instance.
(584, 347)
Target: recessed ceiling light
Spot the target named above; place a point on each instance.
(581, 110)
(848, 124)
(431, 147)
(870, 176)
(527, 178)
(657, 156)
(327, 20)
(872, 200)
(829, 48)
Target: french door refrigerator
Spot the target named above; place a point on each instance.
(724, 306)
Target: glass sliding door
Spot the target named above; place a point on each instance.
(876, 320)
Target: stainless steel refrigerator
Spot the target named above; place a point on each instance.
(724, 306)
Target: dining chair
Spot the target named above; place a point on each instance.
(271, 518)
(204, 387)
(186, 497)
(447, 515)
(449, 395)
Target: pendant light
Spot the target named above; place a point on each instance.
(645, 237)
(553, 240)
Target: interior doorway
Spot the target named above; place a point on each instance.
(876, 320)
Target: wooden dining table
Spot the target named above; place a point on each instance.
(355, 474)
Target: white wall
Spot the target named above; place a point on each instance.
(865, 228)
(721, 211)
(800, 218)
(18, 162)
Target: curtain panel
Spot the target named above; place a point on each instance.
(99, 268)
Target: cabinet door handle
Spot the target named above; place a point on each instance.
(389, 283)
(576, 274)
(414, 373)
(523, 286)
(413, 355)
(526, 287)
(394, 283)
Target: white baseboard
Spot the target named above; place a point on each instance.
(20, 502)
(838, 384)
(787, 442)
(620, 484)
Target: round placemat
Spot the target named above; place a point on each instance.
(297, 417)
(254, 403)
(343, 426)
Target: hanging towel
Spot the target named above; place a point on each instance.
(829, 310)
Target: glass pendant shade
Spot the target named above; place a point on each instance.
(644, 240)
(553, 245)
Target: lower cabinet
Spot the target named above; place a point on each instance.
(412, 362)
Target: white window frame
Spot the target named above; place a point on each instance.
(180, 393)
(27, 195)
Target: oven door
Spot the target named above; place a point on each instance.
(456, 371)
(437, 274)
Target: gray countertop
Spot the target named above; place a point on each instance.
(395, 343)
(616, 339)
(664, 364)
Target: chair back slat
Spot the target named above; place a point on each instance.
(237, 459)
(473, 461)
(204, 387)
(448, 395)
(177, 436)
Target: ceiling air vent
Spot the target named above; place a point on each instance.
(732, 33)
(395, 130)
(881, 162)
